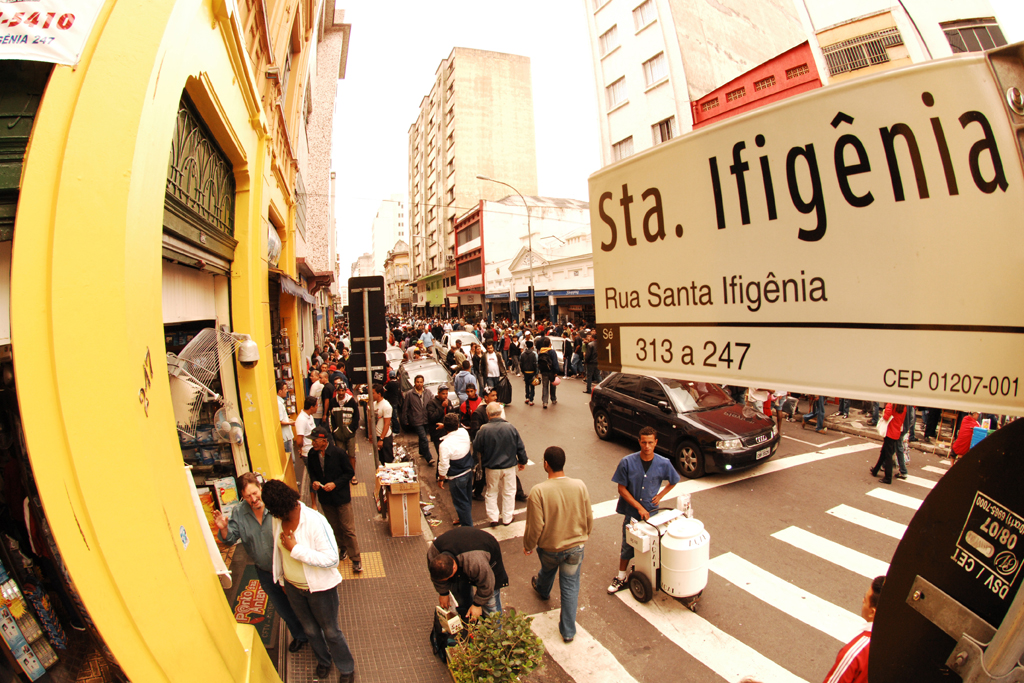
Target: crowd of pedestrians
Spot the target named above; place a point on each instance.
(478, 452)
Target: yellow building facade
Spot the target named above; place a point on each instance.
(87, 336)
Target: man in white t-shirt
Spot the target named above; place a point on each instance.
(282, 414)
(494, 367)
(315, 386)
(304, 426)
(385, 438)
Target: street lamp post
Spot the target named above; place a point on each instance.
(529, 240)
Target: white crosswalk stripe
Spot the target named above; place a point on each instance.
(696, 485)
(837, 622)
(920, 481)
(585, 659)
(833, 552)
(869, 521)
(891, 496)
(935, 470)
(726, 656)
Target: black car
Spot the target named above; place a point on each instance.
(700, 428)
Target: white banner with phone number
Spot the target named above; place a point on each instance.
(46, 30)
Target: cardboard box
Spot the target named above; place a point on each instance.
(410, 487)
(404, 511)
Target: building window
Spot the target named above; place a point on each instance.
(797, 72)
(664, 130)
(451, 140)
(609, 40)
(469, 268)
(451, 113)
(622, 149)
(451, 166)
(616, 93)
(644, 14)
(468, 234)
(735, 94)
(974, 35)
(451, 194)
(860, 52)
(764, 83)
(655, 69)
(709, 105)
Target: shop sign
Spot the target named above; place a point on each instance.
(758, 251)
(46, 30)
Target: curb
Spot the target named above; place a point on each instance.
(940, 448)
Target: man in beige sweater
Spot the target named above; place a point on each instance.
(559, 520)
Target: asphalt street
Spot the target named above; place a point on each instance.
(794, 542)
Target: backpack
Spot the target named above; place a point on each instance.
(543, 361)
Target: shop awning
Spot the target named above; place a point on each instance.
(290, 286)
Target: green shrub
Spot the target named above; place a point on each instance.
(496, 649)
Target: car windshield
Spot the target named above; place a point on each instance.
(696, 395)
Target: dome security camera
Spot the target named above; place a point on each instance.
(248, 353)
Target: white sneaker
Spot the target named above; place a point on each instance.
(617, 585)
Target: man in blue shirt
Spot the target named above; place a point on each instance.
(428, 340)
(640, 476)
(251, 525)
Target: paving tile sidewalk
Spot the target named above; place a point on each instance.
(387, 611)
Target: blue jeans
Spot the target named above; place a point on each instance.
(424, 440)
(462, 498)
(874, 413)
(280, 602)
(568, 564)
(531, 391)
(576, 366)
(901, 454)
(463, 592)
(818, 413)
(844, 407)
(318, 613)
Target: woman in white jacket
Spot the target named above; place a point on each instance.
(305, 563)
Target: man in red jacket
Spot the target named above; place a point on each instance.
(852, 661)
(962, 443)
(895, 414)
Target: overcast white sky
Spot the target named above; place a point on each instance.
(395, 48)
(394, 51)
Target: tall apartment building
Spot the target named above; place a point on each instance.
(476, 120)
(652, 57)
(389, 226)
(663, 67)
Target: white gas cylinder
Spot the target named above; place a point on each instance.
(685, 552)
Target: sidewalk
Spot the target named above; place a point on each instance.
(388, 610)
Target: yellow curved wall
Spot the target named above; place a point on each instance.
(85, 312)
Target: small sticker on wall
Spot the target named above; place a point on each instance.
(184, 536)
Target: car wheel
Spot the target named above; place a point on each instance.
(689, 461)
(602, 425)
